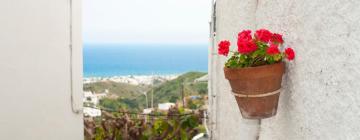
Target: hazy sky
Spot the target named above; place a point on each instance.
(146, 21)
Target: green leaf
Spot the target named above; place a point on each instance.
(160, 126)
(190, 122)
(242, 58)
(277, 57)
(100, 133)
(270, 60)
(184, 135)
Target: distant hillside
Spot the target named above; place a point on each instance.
(132, 97)
(170, 91)
(120, 89)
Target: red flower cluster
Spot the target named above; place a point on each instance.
(244, 36)
(273, 50)
(224, 47)
(263, 35)
(245, 42)
(277, 39)
(290, 54)
(246, 47)
(264, 43)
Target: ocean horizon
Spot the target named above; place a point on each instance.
(108, 60)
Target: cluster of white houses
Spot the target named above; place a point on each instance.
(92, 100)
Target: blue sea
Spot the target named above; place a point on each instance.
(105, 60)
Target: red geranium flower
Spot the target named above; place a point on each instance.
(224, 47)
(273, 49)
(244, 35)
(277, 38)
(263, 35)
(246, 47)
(290, 54)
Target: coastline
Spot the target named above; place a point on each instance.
(132, 79)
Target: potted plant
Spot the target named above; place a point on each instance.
(255, 71)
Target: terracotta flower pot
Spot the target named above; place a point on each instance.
(256, 89)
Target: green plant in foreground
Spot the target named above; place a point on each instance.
(176, 124)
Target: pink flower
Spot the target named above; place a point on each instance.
(273, 50)
(224, 47)
(247, 47)
(263, 35)
(290, 54)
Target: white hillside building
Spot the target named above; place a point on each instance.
(93, 98)
(148, 110)
(165, 106)
(92, 112)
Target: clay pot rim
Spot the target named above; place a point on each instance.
(257, 67)
(255, 72)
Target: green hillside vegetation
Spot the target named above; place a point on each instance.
(171, 91)
(126, 94)
(131, 97)
(121, 90)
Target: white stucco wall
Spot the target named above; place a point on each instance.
(321, 87)
(35, 70)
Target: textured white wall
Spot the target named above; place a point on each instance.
(35, 71)
(321, 87)
(231, 17)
